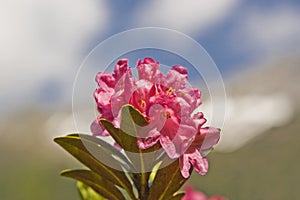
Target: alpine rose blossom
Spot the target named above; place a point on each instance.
(168, 105)
(191, 194)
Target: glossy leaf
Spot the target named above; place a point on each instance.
(106, 188)
(167, 181)
(74, 145)
(127, 142)
(131, 120)
(111, 150)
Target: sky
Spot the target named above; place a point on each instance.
(43, 43)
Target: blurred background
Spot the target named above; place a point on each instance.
(255, 44)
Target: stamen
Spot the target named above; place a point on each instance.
(166, 115)
(170, 91)
(142, 103)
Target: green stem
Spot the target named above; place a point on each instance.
(144, 179)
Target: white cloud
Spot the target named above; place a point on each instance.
(44, 39)
(269, 31)
(187, 16)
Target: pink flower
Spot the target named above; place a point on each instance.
(109, 84)
(169, 122)
(204, 140)
(191, 194)
(166, 102)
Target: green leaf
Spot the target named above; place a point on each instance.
(167, 181)
(73, 144)
(106, 188)
(114, 132)
(127, 142)
(111, 150)
(87, 193)
(136, 120)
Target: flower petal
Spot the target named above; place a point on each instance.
(102, 97)
(199, 162)
(149, 70)
(123, 91)
(149, 141)
(185, 166)
(191, 97)
(105, 81)
(177, 77)
(140, 97)
(169, 147)
(211, 137)
(120, 69)
(191, 194)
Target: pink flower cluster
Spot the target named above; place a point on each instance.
(191, 194)
(166, 102)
